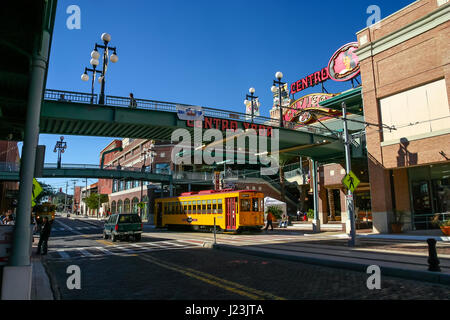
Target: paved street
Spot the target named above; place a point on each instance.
(175, 265)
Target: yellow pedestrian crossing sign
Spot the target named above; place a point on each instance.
(351, 181)
(37, 189)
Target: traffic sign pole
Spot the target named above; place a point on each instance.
(348, 168)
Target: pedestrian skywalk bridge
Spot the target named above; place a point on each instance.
(121, 249)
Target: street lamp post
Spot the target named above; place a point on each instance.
(151, 153)
(252, 98)
(85, 77)
(279, 83)
(60, 146)
(95, 55)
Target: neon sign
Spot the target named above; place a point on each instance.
(344, 64)
(308, 102)
(310, 81)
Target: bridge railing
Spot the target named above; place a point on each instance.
(70, 96)
(79, 97)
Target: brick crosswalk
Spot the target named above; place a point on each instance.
(121, 249)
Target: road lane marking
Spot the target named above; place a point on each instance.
(104, 242)
(234, 287)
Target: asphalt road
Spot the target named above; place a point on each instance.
(164, 268)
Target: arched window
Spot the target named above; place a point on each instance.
(113, 207)
(126, 206)
(134, 205)
(119, 206)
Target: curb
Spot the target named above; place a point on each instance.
(428, 276)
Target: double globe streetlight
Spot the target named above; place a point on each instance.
(274, 89)
(95, 55)
(252, 101)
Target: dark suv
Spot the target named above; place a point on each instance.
(122, 225)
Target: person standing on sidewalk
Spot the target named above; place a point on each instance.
(270, 218)
(44, 235)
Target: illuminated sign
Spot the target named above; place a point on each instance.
(308, 102)
(344, 64)
(225, 124)
(310, 81)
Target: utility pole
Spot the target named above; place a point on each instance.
(350, 223)
(65, 198)
(73, 199)
(85, 196)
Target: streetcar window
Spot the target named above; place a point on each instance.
(204, 206)
(185, 207)
(255, 204)
(209, 206)
(245, 205)
(261, 206)
(214, 206)
(199, 206)
(219, 206)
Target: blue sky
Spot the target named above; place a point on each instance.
(201, 52)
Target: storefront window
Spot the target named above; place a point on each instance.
(430, 195)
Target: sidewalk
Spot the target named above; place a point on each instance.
(417, 235)
(40, 283)
(401, 258)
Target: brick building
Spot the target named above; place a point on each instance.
(9, 160)
(405, 73)
(140, 154)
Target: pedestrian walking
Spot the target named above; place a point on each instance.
(270, 218)
(44, 235)
(133, 103)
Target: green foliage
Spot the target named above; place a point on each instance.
(92, 200)
(47, 191)
(276, 211)
(310, 214)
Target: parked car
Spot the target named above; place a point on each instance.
(123, 226)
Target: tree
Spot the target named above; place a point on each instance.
(47, 191)
(92, 200)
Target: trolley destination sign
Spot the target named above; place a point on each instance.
(225, 124)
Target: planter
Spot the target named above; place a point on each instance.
(446, 230)
(396, 228)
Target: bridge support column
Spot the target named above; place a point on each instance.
(316, 220)
(17, 276)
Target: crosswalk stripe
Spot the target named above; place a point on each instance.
(63, 254)
(106, 251)
(85, 252)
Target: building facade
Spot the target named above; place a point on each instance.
(9, 160)
(405, 71)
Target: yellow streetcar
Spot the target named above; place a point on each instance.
(46, 209)
(233, 210)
